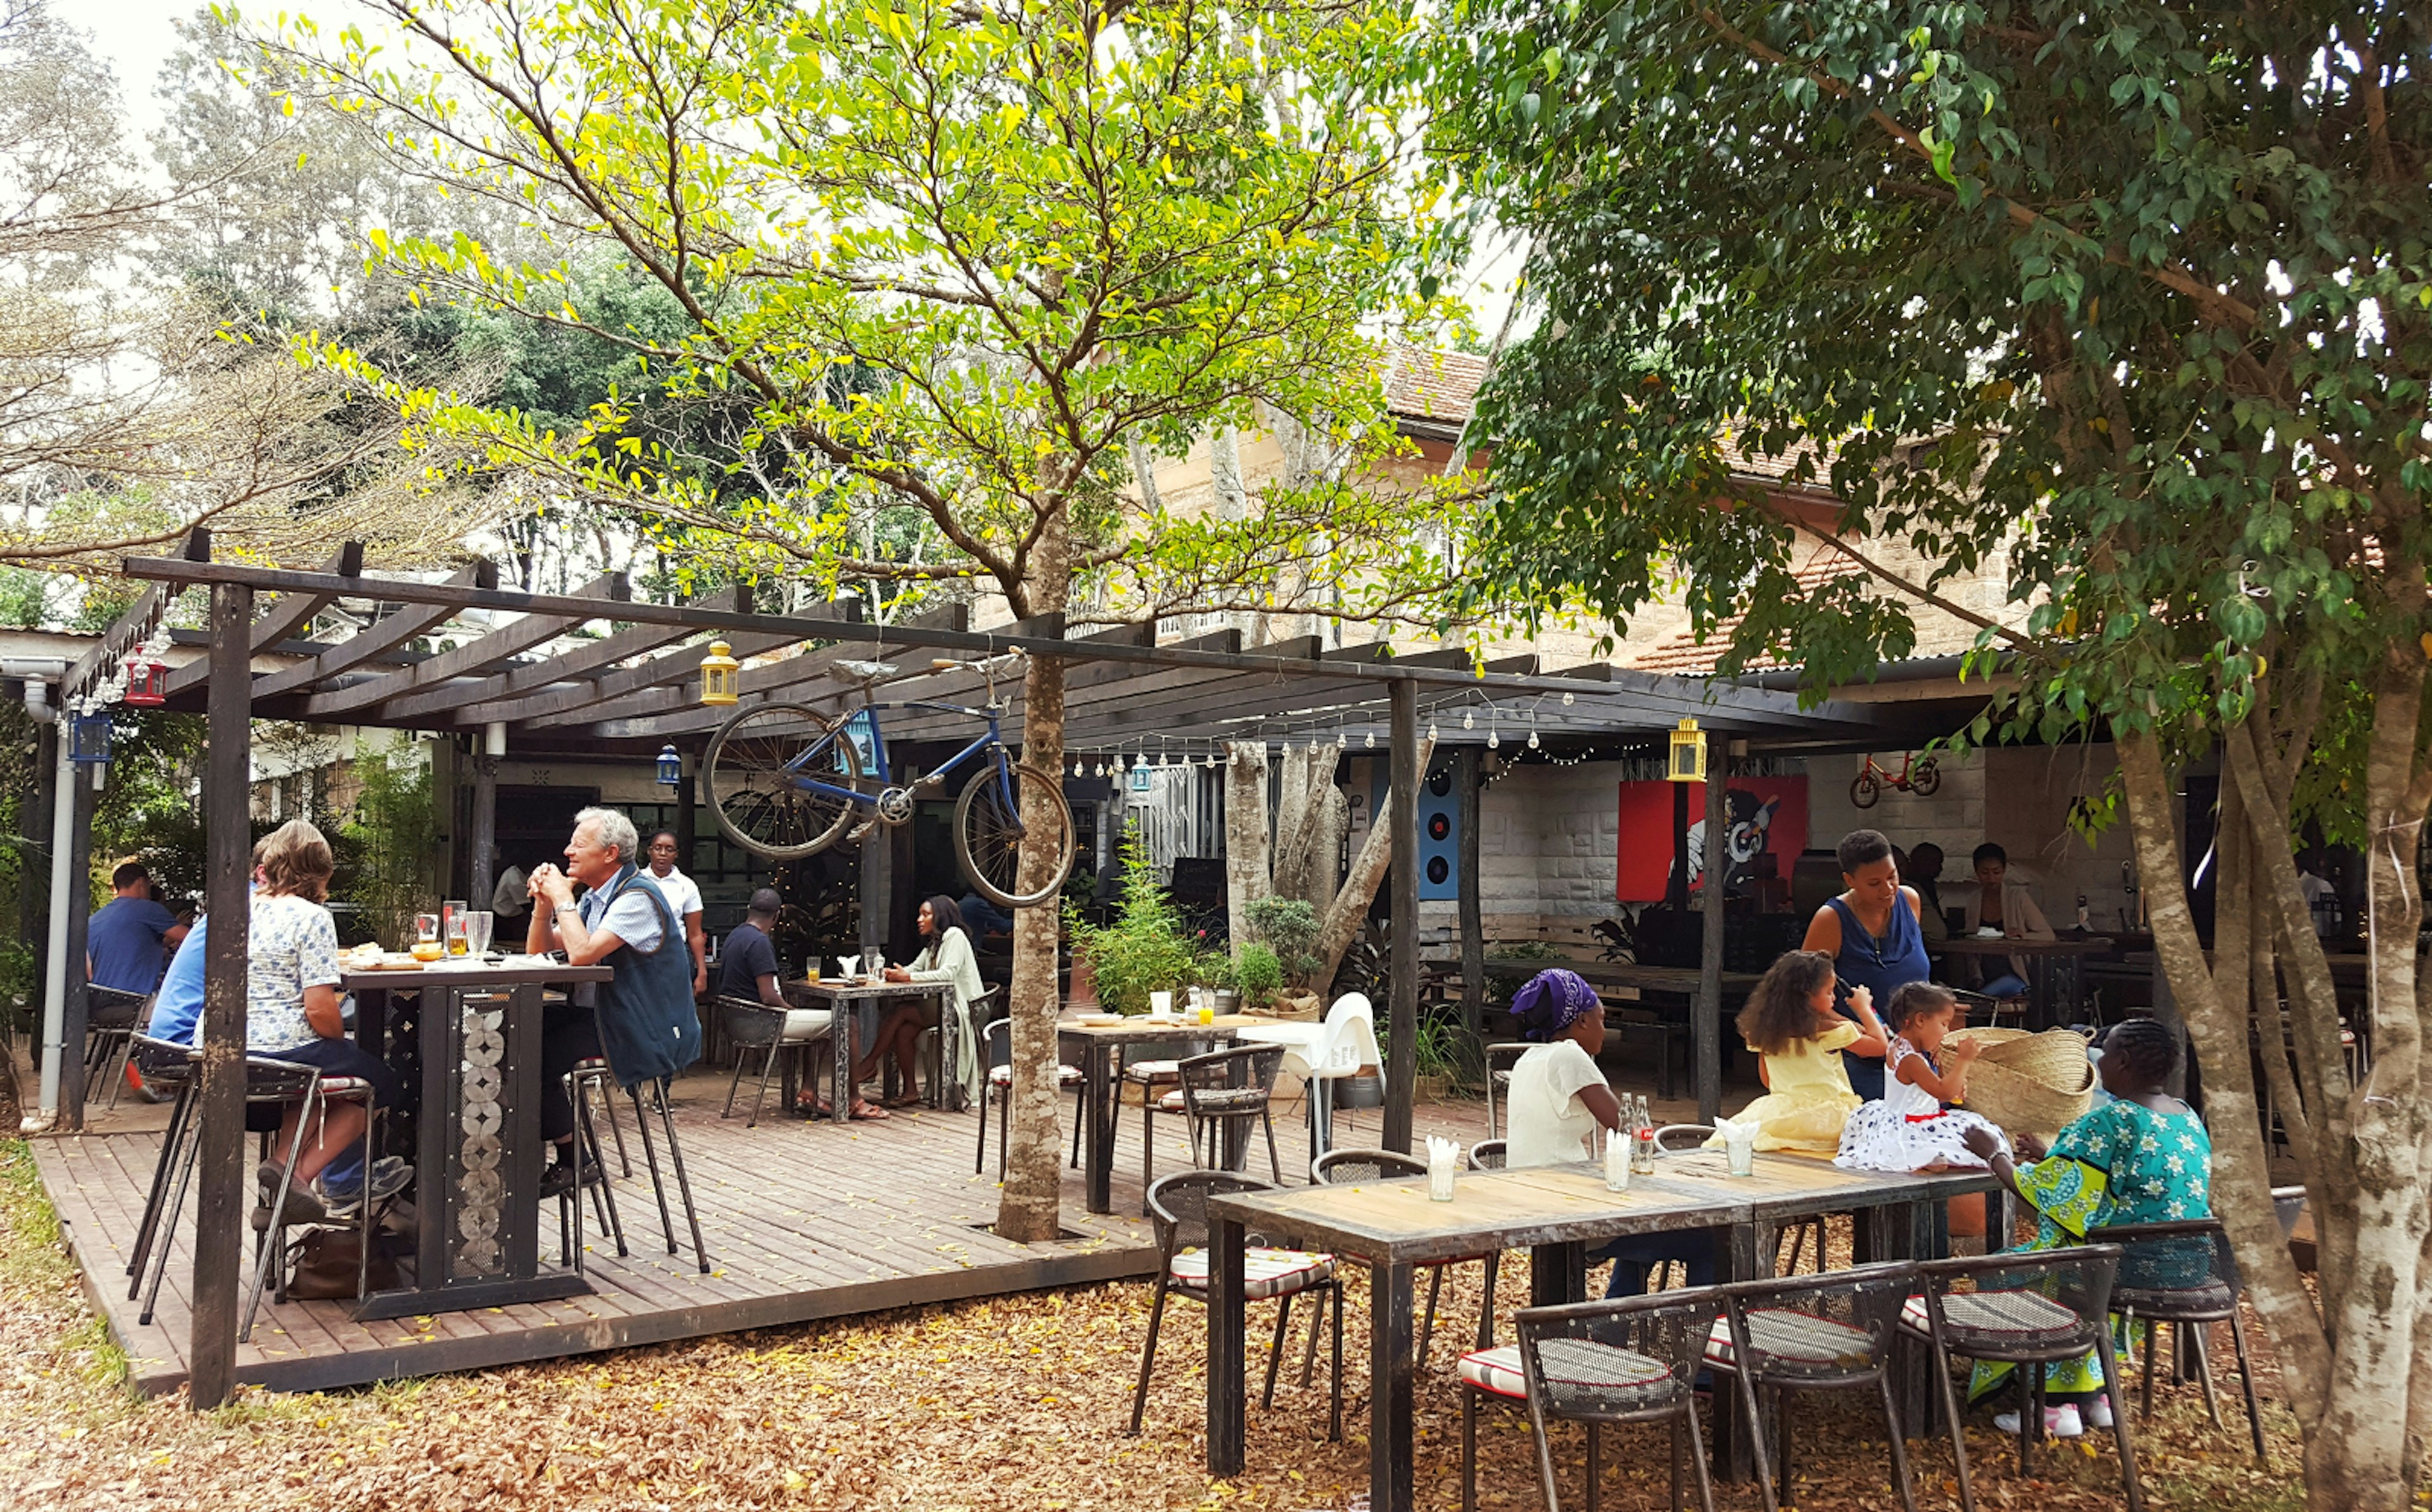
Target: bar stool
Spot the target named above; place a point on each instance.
(597, 1069)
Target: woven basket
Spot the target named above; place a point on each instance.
(1303, 1009)
(2028, 1084)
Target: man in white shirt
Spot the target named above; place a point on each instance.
(684, 898)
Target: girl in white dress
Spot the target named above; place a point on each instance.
(1909, 1128)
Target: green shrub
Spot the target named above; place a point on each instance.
(1144, 950)
(1289, 926)
(1258, 971)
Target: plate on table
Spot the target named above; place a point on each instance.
(1098, 1020)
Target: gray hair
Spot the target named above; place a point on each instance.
(616, 830)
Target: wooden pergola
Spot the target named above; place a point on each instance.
(531, 683)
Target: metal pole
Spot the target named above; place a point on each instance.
(1401, 1073)
(34, 851)
(75, 1004)
(64, 903)
(220, 1214)
(1468, 780)
(1706, 1033)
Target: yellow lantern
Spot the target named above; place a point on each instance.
(1688, 762)
(717, 674)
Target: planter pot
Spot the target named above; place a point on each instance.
(1431, 1088)
(1363, 1091)
(1082, 991)
(1228, 1001)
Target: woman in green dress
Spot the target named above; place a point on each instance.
(2142, 1157)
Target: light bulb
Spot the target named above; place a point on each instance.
(1102, 768)
(1372, 740)
(1567, 699)
(1532, 740)
(1469, 719)
(1493, 740)
(1077, 767)
(1431, 730)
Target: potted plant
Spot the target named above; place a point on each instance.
(1286, 928)
(1257, 974)
(1219, 975)
(1143, 950)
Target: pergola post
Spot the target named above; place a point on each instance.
(1706, 1030)
(220, 1214)
(1468, 780)
(1402, 1019)
(55, 973)
(485, 832)
(76, 1003)
(33, 902)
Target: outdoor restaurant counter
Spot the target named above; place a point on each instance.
(479, 1152)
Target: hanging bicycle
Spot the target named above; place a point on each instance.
(788, 782)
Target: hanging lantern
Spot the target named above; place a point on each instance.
(718, 671)
(1688, 754)
(89, 739)
(670, 768)
(147, 680)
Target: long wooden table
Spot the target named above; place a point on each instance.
(478, 1146)
(1557, 1212)
(1096, 1048)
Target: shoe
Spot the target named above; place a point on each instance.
(558, 1180)
(302, 1207)
(2059, 1422)
(2097, 1413)
(390, 1176)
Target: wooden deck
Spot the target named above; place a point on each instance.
(804, 1221)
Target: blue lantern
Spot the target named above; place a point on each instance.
(89, 739)
(671, 767)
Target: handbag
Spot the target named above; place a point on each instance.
(328, 1262)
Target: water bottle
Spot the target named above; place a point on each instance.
(1643, 1143)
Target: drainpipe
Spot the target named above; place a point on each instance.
(55, 985)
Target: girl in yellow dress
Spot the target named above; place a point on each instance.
(1790, 1022)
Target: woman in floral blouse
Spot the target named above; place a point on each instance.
(2143, 1157)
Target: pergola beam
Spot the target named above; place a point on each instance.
(384, 634)
(482, 654)
(288, 616)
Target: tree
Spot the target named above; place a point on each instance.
(2130, 304)
(956, 259)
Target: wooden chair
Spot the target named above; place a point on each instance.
(1828, 1333)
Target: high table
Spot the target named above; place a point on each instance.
(2042, 957)
(1557, 1212)
(478, 1158)
(862, 999)
(1095, 1045)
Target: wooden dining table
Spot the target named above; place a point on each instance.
(1097, 1049)
(1557, 1212)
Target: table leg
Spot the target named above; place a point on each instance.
(1743, 1252)
(1392, 1388)
(1558, 1273)
(1226, 1404)
(1094, 1067)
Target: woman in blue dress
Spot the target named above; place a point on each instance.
(1873, 935)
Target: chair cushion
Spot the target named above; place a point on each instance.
(1223, 1100)
(1264, 1273)
(2212, 1299)
(345, 1087)
(1065, 1075)
(1995, 1316)
(1152, 1071)
(1795, 1339)
(1581, 1373)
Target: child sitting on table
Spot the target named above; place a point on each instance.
(1789, 1022)
(1910, 1129)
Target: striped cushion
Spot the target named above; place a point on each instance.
(1575, 1369)
(344, 1086)
(1264, 1273)
(1065, 1075)
(1224, 1099)
(1796, 1339)
(1152, 1071)
(2014, 1317)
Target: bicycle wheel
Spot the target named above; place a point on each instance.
(1925, 777)
(756, 765)
(1865, 788)
(989, 835)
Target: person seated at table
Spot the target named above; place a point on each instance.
(1874, 933)
(641, 1020)
(2143, 1157)
(1909, 1128)
(1789, 1023)
(747, 968)
(1922, 874)
(2002, 902)
(128, 943)
(947, 958)
(292, 1013)
(982, 919)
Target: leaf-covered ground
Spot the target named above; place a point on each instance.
(1013, 1404)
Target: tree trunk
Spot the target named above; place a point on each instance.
(1329, 817)
(1246, 877)
(1338, 923)
(1288, 867)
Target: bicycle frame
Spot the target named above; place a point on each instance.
(993, 742)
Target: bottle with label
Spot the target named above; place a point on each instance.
(1642, 1146)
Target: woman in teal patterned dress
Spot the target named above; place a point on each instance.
(2143, 1157)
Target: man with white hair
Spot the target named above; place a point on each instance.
(641, 1019)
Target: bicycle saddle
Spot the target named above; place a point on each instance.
(864, 671)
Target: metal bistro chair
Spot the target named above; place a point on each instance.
(751, 1024)
(1631, 1359)
(112, 1019)
(1487, 1154)
(2183, 1274)
(162, 1063)
(597, 1070)
(1828, 1333)
(1178, 1204)
(997, 1038)
(2028, 1308)
(1221, 1092)
(1498, 1079)
(1339, 1167)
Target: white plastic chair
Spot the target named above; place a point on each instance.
(1338, 1049)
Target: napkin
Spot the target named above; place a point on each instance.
(1443, 1155)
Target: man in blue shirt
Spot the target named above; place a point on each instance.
(124, 941)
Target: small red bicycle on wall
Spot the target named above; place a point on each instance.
(1919, 774)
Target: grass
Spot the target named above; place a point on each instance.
(34, 1262)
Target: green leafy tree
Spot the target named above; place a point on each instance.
(2128, 306)
(957, 261)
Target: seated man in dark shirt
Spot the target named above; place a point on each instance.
(127, 941)
(748, 969)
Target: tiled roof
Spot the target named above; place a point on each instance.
(1433, 385)
(1685, 655)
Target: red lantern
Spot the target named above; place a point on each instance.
(147, 681)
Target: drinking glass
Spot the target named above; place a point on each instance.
(477, 925)
(427, 944)
(877, 966)
(459, 941)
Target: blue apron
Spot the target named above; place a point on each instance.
(1882, 967)
(648, 1027)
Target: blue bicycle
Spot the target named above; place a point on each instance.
(788, 782)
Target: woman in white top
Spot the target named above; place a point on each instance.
(948, 959)
(1558, 1095)
(683, 901)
